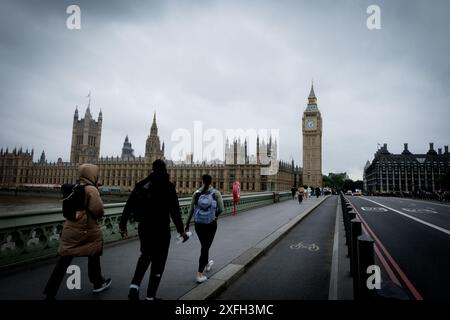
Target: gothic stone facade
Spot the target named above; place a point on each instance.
(18, 169)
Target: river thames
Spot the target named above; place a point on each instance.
(10, 203)
(26, 203)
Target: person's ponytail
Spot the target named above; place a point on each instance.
(207, 180)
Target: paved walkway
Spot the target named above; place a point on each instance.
(235, 235)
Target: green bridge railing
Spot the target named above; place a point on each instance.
(31, 236)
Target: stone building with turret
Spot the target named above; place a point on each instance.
(18, 169)
(407, 171)
(153, 149)
(86, 137)
(127, 150)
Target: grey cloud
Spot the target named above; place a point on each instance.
(232, 64)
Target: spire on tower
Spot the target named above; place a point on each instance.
(42, 159)
(312, 99)
(88, 113)
(88, 109)
(89, 96)
(311, 93)
(75, 115)
(154, 127)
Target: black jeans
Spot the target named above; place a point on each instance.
(94, 273)
(154, 250)
(206, 233)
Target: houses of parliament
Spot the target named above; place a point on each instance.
(17, 168)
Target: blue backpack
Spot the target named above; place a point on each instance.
(205, 210)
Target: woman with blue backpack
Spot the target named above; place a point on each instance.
(206, 206)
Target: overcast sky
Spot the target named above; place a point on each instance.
(232, 64)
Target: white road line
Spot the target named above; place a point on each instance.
(412, 218)
(427, 202)
(333, 290)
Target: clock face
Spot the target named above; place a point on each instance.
(310, 124)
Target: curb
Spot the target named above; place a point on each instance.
(228, 274)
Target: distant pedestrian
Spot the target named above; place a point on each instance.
(236, 195)
(206, 206)
(83, 236)
(317, 192)
(293, 191)
(301, 194)
(152, 203)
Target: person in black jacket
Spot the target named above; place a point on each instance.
(152, 203)
(293, 191)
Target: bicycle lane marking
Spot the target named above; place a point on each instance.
(411, 217)
(301, 245)
(395, 265)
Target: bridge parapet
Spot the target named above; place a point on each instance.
(29, 236)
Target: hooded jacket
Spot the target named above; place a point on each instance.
(84, 237)
(163, 206)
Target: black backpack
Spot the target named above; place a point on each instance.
(73, 200)
(142, 201)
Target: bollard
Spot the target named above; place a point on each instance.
(355, 232)
(348, 208)
(350, 216)
(344, 206)
(365, 259)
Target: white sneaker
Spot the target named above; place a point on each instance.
(209, 265)
(201, 279)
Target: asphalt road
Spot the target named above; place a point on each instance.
(297, 267)
(416, 234)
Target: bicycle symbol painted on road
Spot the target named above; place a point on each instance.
(374, 209)
(311, 247)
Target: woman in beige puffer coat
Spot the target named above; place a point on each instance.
(82, 237)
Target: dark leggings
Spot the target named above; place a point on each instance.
(206, 233)
(94, 273)
(154, 250)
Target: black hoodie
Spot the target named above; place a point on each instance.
(162, 206)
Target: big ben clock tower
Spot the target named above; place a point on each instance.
(312, 143)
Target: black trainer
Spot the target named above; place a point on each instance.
(102, 287)
(133, 294)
